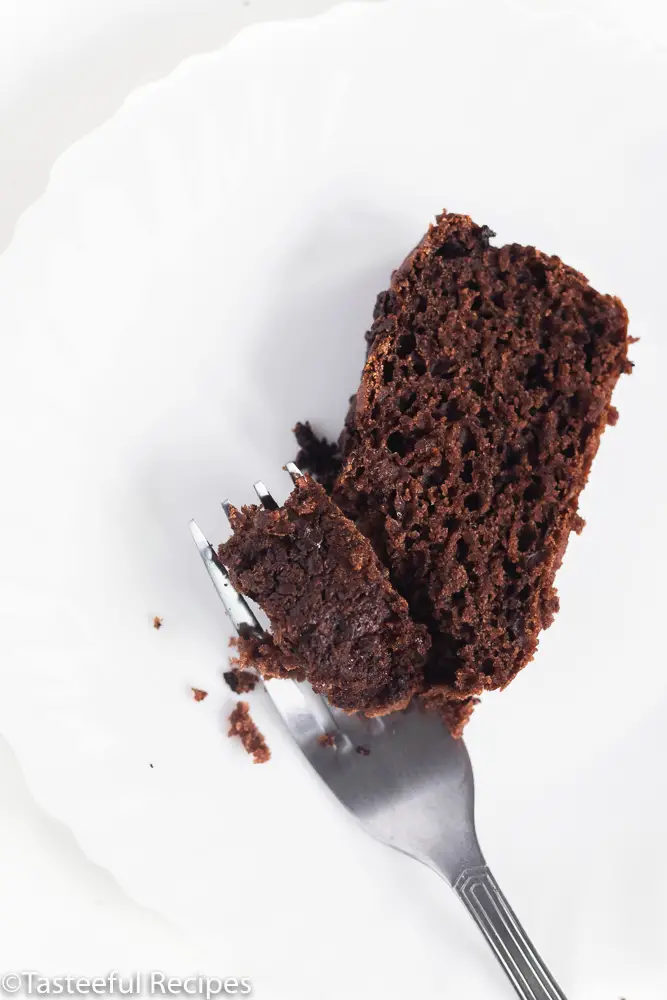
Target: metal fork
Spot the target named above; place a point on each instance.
(405, 779)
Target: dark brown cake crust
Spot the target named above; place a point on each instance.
(485, 392)
(329, 600)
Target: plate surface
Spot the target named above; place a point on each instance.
(197, 277)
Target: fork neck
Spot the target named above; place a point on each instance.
(454, 859)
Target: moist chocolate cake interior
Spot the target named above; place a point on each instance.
(329, 600)
(424, 563)
(486, 389)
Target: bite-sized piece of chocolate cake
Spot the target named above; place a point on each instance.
(486, 388)
(331, 607)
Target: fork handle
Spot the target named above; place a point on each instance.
(529, 976)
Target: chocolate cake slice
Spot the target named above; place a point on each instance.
(333, 611)
(486, 389)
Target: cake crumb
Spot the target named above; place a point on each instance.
(454, 713)
(242, 725)
(316, 455)
(157, 622)
(262, 656)
(198, 694)
(363, 751)
(326, 740)
(240, 680)
(578, 524)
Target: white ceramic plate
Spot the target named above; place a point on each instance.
(199, 276)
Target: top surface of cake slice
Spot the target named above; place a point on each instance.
(328, 598)
(486, 389)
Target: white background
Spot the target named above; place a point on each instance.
(65, 66)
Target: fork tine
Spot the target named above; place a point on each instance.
(264, 496)
(226, 506)
(238, 609)
(294, 472)
(306, 714)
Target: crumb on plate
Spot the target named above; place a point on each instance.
(242, 725)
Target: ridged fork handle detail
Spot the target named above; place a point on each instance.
(482, 896)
